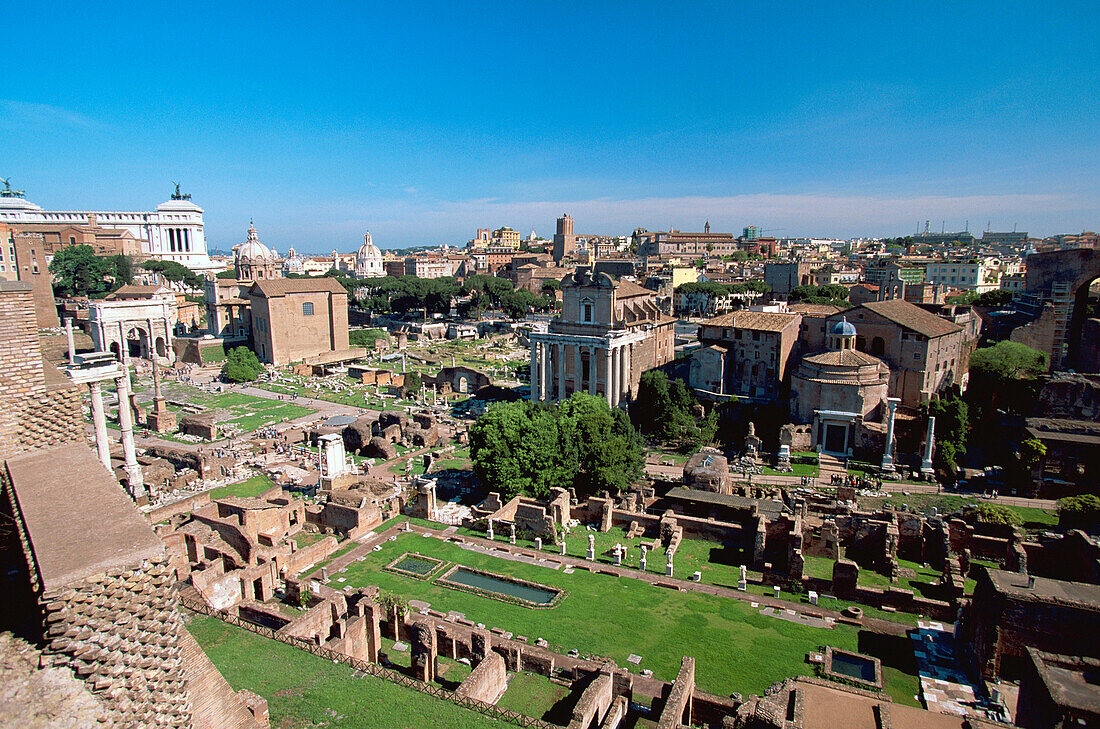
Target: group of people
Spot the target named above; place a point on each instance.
(859, 482)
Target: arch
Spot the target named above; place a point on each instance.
(861, 343)
(878, 346)
(162, 347)
(116, 350)
(463, 384)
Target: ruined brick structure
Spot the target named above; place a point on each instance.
(86, 578)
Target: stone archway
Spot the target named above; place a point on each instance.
(137, 343)
(162, 348)
(462, 384)
(1061, 278)
(116, 350)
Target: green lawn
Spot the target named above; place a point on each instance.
(303, 690)
(539, 697)
(735, 647)
(252, 486)
(1032, 518)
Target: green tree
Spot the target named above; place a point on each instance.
(952, 427)
(176, 272)
(241, 365)
(78, 271)
(1007, 361)
(412, 383)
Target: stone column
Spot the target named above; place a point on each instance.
(99, 419)
(561, 370)
(929, 440)
(609, 379)
(593, 370)
(123, 350)
(545, 371)
(888, 453)
(627, 364)
(152, 340)
(535, 381)
(69, 339)
(126, 424)
(578, 384)
(623, 377)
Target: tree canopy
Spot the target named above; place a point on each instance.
(241, 365)
(662, 410)
(833, 294)
(529, 448)
(176, 272)
(1006, 361)
(78, 271)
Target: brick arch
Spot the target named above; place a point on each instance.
(1057, 274)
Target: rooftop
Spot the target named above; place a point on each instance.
(912, 317)
(756, 320)
(79, 520)
(1014, 584)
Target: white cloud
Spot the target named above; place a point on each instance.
(25, 113)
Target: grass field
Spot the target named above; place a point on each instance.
(1032, 518)
(303, 690)
(251, 486)
(735, 647)
(539, 697)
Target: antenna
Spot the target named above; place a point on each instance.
(966, 227)
(943, 227)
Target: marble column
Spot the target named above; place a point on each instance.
(152, 339)
(627, 379)
(126, 425)
(609, 379)
(534, 378)
(929, 440)
(888, 453)
(544, 371)
(592, 369)
(69, 340)
(99, 420)
(623, 377)
(560, 365)
(123, 350)
(578, 384)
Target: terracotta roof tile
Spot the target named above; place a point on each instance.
(757, 320)
(912, 317)
(282, 286)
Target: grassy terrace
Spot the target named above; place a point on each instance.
(719, 565)
(251, 486)
(245, 412)
(1032, 518)
(303, 690)
(735, 647)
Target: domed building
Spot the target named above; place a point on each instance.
(842, 391)
(252, 260)
(293, 263)
(368, 260)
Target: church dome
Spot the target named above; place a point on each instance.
(843, 328)
(368, 251)
(253, 249)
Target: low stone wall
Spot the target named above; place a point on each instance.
(306, 557)
(487, 682)
(593, 704)
(679, 697)
(183, 506)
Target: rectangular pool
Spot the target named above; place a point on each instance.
(501, 586)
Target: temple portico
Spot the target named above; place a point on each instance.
(562, 364)
(607, 335)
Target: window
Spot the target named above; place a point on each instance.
(916, 355)
(72, 240)
(307, 308)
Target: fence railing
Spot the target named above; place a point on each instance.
(372, 669)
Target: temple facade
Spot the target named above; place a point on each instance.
(607, 335)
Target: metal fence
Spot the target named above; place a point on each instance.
(372, 669)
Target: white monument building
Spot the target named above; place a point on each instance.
(368, 260)
(172, 232)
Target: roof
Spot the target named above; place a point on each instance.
(814, 309)
(765, 321)
(78, 532)
(271, 287)
(681, 493)
(134, 290)
(844, 358)
(1044, 589)
(912, 317)
(629, 289)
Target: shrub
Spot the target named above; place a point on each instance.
(991, 514)
(241, 365)
(1079, 512)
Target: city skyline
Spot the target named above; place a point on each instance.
(829, 122)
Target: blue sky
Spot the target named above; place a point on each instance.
(423, 121)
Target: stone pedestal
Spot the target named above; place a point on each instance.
(591, 548)
(489, 534)
(563, 547)
(511, 533)
(617, 555)
(538, 543)
(668, 567)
